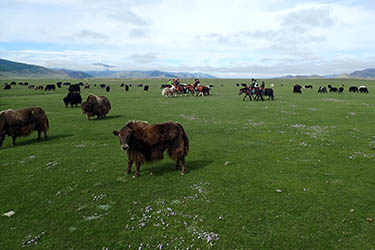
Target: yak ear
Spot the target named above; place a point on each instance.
(116, 133)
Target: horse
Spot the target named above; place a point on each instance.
(202, 90)
(190, 88)
(251, 92)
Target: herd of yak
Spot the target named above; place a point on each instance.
(141, 141)
(361, 89)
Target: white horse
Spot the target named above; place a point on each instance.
(169, 92)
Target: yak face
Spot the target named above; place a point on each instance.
(124, 135)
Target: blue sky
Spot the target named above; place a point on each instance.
(237, 38)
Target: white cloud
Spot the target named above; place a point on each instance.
(223, 37)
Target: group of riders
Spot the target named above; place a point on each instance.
(176, 82)
(254, 84)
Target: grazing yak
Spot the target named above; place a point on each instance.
(74, 88)
(72, 99)
(50, 87)
(107, 88)
(148, 142)
(363, 89)
(126, 88)
(7, 87)
(95, 106)
(297, 89)
(353, 89)
(21, 122)
(146, 88)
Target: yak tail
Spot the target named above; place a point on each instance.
(180, 148)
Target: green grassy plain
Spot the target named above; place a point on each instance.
(294, 173)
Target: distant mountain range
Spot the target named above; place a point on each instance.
(9, 69)
(362, 74)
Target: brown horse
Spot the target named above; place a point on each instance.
(202, 90)
(255, 93)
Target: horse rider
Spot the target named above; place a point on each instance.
(170, 82)
(262, 85)
(176, 82)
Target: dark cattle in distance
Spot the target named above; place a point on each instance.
(122, 85)
(49, 87)
(26, 83)
(341, 90)
(308, 86)
(95, 106)
(31, 86)
(140, 85)
(244, 85)
(87, 86)
(72, 99)
(13, 83)
(102, 86)
(145, 142)
(237, 84)
(80, 83)
(21, 122)
(59, 84)
(126, 88)
(40, 87)
(353, 89)
(74, 88)
(107, 88)
(269, 92)
(7, 87)
(130, 85)
(332, 89)
(211, 86)
(146, 87)
(363, 89)
(322, 89)
(66, 84)
(297, 89)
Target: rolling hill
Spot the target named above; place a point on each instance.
(10, 69)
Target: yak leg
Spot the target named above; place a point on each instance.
(14, 140)
(137, 166)
(38, 135)
(183, 165)
(177, 164)
(45, 134)
(130, 163)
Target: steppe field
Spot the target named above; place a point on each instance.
(297, 172)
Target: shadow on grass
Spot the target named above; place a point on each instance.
(107, 118)
(36, 141)
(171, 167)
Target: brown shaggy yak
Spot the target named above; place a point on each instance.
(21, 122)
(144, 142)
(95, 105)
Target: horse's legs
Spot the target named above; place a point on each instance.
(137, 166)
(243, 99)
(38, 135)
(261, 97)
(177, 164)
(130, 163)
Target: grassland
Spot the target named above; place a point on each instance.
(294, 173)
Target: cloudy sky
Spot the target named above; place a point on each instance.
(236, 38)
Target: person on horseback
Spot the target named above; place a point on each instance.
(262, 85)
(170, 82)
(176, 82)
(196, 83)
